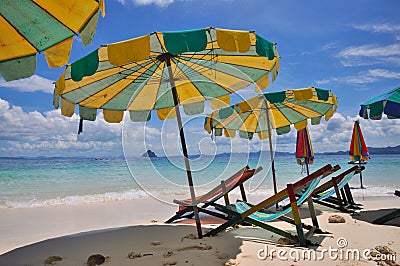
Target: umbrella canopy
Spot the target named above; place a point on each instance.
(388, 103)
(358, 149)
(276, 110)
(163, 70)
(304, 149)
(31, 26)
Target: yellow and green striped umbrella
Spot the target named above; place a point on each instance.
(28, 27)
(290, 107)
(163, 70)
(273, 110)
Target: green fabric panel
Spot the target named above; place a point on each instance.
(263, 122)
(218, 132)
(283, 130)
(225, 112)
(395, 97)
(316, 120)
(245, 134)
(322, 94)
(122, 100)
(236, 123)
(87, 33)
(18, 68)
(319, 107)
(164, 96)
(179, 42)
(85, 66)
(275, 97)
(140, 116)
(376, 109)
(87, 113)
(252, 73)
(78, 95)
(193, 108)
(264, 47)
(34, 23)
(381, 97)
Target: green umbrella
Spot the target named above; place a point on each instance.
(387, 103)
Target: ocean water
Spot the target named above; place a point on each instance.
(40, 182)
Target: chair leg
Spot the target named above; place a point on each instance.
(312, 212)
(296, 215)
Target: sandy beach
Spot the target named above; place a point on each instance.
(119, 229)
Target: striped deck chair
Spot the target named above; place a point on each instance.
(338, 186)
(185, 207)
(244, 212)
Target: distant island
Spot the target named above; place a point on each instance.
(149, 154)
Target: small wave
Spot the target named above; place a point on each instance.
(75, 200)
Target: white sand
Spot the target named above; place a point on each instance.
(130, 230)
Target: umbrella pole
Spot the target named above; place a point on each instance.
(184, 150)
(359, 163)
(271, 151)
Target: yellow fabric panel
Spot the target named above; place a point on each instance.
(100, 98)
(278, 119)
(250, 104)
(263, 135)
(58, 55)
(71, 85)
(12, 44)
(228, 82)
(230, 133)
(67, 108)
(225, 122)
(207, 125)
(300, 125)
(102, 8)
(60, 84)
(220, 102)
(248, 61)
(329, 114)
(303, 94)
(302, 110)
(187, 92)
(334, 100)
(262, 83)
(146, 98)
(103, 55)
(251, 122)
(233, 41)
(113, 116)
(166, 113)
(133, 50)
(72, 13)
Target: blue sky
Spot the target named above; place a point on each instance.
(350, 47)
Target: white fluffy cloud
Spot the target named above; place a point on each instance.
(51, 134)
(32, 84)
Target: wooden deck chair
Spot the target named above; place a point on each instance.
(243, 212)
(336, 193)
(389, 216)
(186, 210)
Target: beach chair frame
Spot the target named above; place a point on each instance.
(222, 190)
(288, 193)
(339, 186)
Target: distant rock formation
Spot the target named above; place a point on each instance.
(149, 154)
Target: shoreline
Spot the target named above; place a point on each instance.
(46, 231)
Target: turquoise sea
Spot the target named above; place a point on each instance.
(36, 182)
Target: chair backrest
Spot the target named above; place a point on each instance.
(327, 189)
(311, 181)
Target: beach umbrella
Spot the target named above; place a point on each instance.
(163, 70)
(358, 149)
(29, 27)
(272, 110)
(388, 103)
(304, 149)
